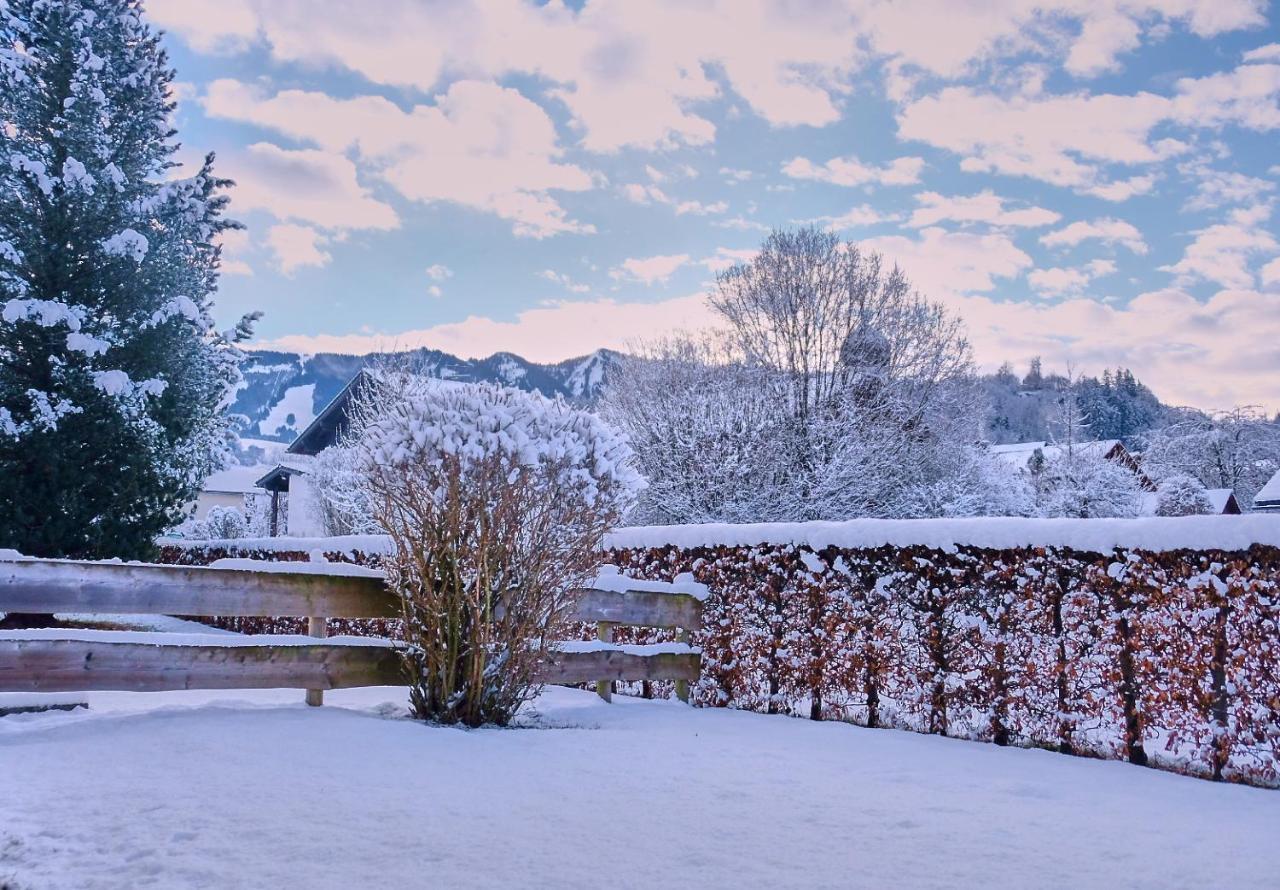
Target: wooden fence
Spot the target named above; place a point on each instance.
(39, 663)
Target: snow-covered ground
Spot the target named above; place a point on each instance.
(254, 789)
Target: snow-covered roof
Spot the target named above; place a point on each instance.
(1017, 454)
(235, 480)
(1269, 496)
(1218, 498)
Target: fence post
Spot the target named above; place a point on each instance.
(604, 633)
(317, 627)
(682, 686)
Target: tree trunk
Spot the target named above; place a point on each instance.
(1134, 751)
(1221, 698)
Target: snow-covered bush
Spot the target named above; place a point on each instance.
(1084, 485)
(1182, 495)
(497, 501)
(225, 523)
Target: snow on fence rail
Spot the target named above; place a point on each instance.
(73, 661)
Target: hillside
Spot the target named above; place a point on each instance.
(283, 391)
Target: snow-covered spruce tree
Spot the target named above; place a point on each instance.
(112, 379)
(496, 501)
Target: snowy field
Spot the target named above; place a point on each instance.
(254, 789)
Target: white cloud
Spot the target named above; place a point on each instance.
(850, 171)
(649, 270)
(1271, 273)
(435, 290)
(1072, 139)
(697, 208)
(296, 247)
(1108, 230)
(1228, 340)
(1058, 281)
(942, 263)
(1268, 53)
(439, 272)
(480, 145)
(1218, 188)
(306, 186)
(984, 207)
(853, 218)
(235, 244)
(564, 281)
(727, 257)
(547, 333)
(1222, 253)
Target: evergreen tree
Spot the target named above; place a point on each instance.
(112, 379)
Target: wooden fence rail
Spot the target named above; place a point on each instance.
(84, 664)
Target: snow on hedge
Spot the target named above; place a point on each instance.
(341, 569)
(611, 579)
(346, 545)
(1154, 534)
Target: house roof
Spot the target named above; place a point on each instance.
(1269, 495)
(277, 478)
(1017, 454)
(329, 423)
(234, 480)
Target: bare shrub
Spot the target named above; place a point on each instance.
(496, 501)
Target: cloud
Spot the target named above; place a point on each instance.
(439, 272)
(1270, 273)
(1217, 188)
(942, 263)
(306, 186)
(548, 333)
(564, 281)
(984, 207)
(235, 244)
(296, 247)
(1108, 230)
(1057, 281)
(697, 208)
(1073, 139)
(855, 217)
(728, 257)
(850, 171)
(1268, 53)
(480, 145)
(1222, 253)
(642, 193)
(649, 270)
(1159, 334)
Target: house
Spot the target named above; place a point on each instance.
(298, 513)
(1267, 500)
(227, 488)
(1222, 502)
(1017, 456)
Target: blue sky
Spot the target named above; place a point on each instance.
(1092, 182)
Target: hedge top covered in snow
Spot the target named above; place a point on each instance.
(1155, 534)
(347, 545)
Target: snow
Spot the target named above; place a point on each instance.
(331, 569)
(609, 578)
(1016, 454)
(236, 479)
(298, 401)
(236, 789)
(628, 648)
(212, 637)
(348, 545)
(1269, 493)
(1153, 534)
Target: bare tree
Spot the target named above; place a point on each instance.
(1237, 449)
(834, 390)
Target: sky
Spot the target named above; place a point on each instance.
(1092, 182)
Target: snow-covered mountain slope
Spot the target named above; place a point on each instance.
(283, 391)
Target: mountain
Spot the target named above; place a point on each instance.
(283, 391)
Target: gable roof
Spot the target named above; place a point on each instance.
(1269, 495)
(329, 423)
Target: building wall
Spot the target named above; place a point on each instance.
(206, 500)
(304, 510)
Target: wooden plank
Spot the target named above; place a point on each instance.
(83, 666)
(641, 608)
(58, 586)
(604, 633)
(317, 627)
(612, 664)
